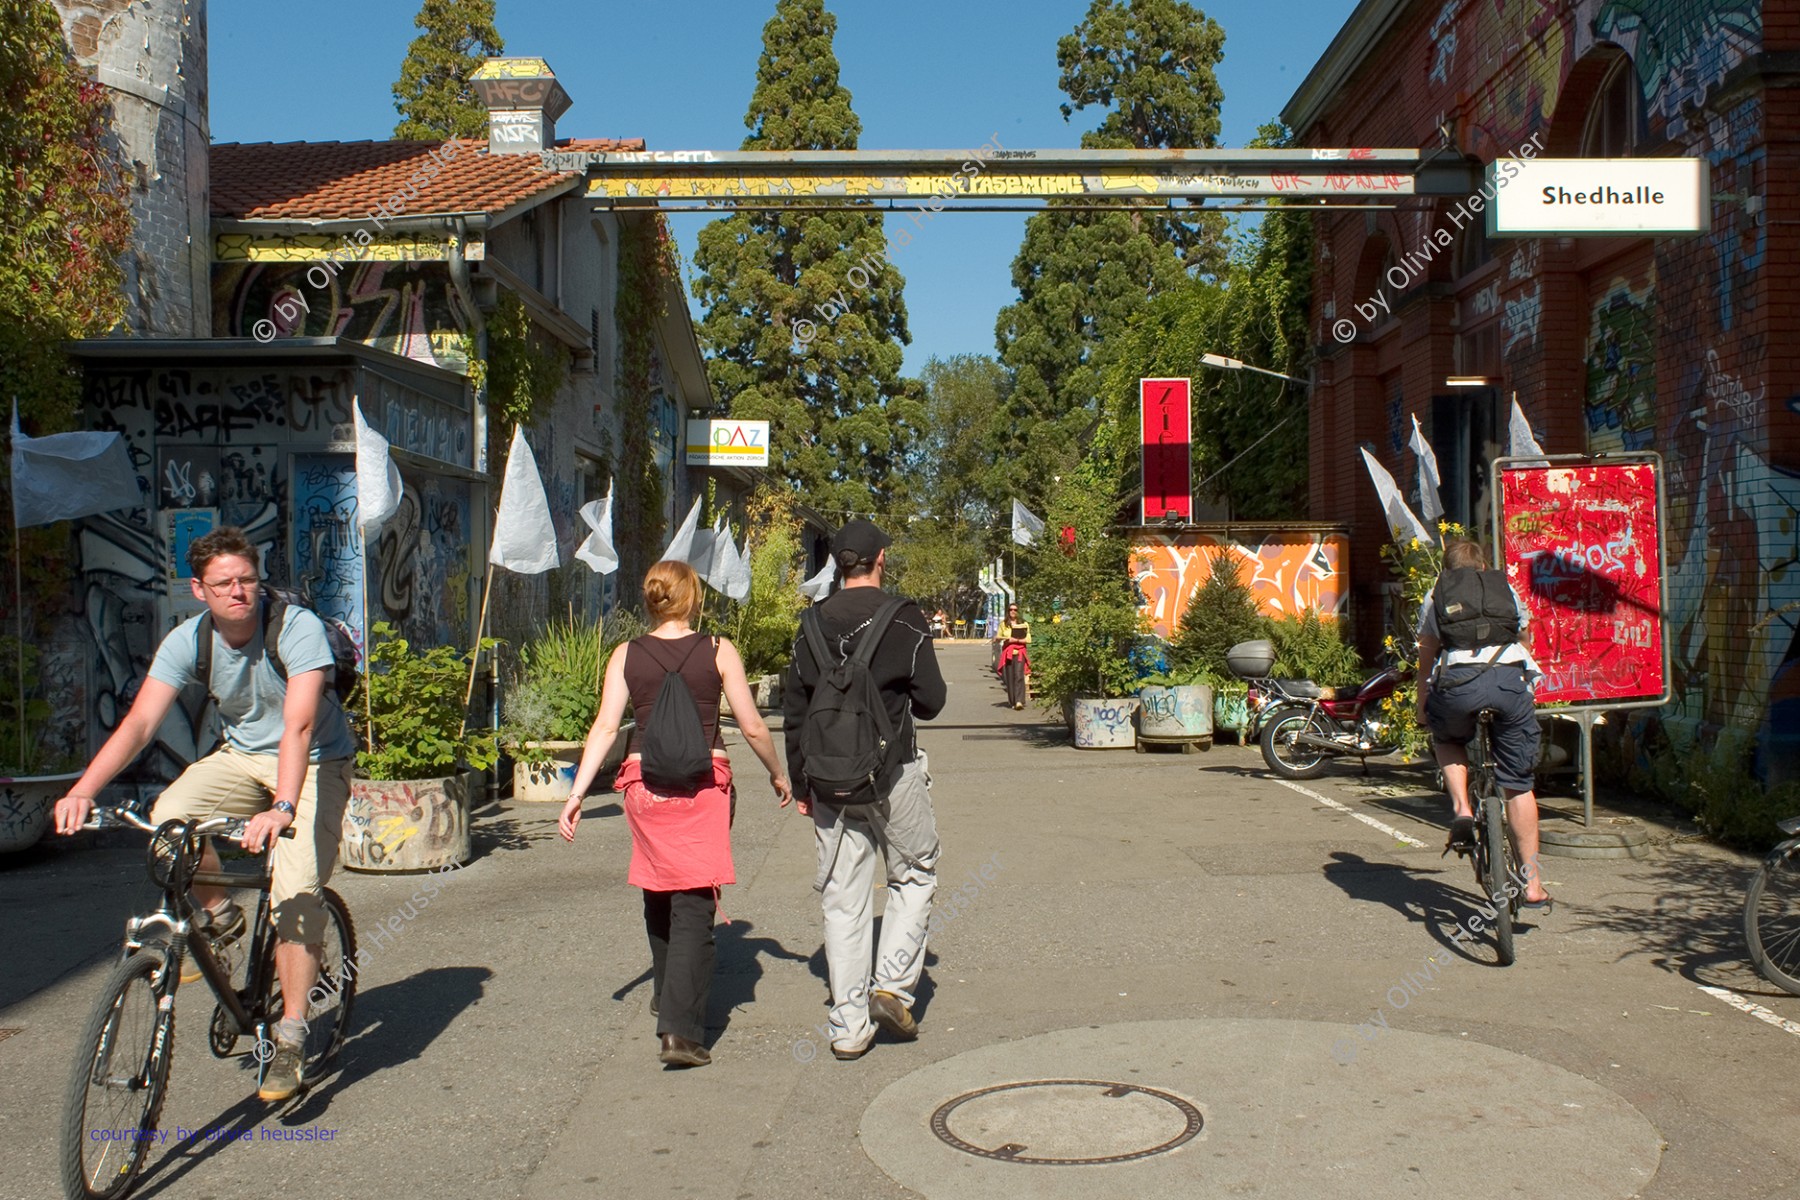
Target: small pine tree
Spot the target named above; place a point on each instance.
(433, 95)
(1221, 614)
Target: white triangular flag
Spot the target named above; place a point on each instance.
(524, 534)
(68, 475)
(819, 586)
(1401, 521)
(1429, 479)
(378, 486)
(727, 573)
(1025, 526)
(681, 546)
(1518, 433)
(597, 551)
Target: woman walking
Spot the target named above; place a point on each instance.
(681, 842)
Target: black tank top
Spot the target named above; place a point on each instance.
(648, 659)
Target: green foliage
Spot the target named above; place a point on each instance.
(65, 220)
(1307, 647)
(433, 95)
(1416, 566)
(1220, 614)
(646, 265)
(525, 367)
(1083, 275)
(555, 695)
(1718, 786)
(1087, 653)
(416, 699)
(790, 336)
(764, 624)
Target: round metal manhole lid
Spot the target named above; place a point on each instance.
(1066, 1122)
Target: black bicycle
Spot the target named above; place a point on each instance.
(1772, 912)
(1494, 855)
(121, 1071)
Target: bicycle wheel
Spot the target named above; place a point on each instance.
(1772, 918)
(328, 1009)
(116, 1093)
(1493, 811)
(1284, 757)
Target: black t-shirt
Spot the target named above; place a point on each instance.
(905, 668)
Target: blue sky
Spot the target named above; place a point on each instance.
(934, 74)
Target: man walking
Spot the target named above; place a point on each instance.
(286, 741)
(900, 828)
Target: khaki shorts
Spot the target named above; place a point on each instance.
(231, 783)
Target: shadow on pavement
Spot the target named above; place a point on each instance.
(1439, 898)
(737, 970)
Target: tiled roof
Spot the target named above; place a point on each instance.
(334, 181)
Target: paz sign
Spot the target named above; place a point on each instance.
(727, 443)
(1599, 196)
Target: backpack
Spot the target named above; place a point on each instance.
(676, 755)
(1475, 608)
(846, 736)
(276, 602)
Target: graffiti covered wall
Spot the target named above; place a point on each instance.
(1287, 573)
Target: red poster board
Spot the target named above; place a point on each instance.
(1163, 404)
(1582, 543)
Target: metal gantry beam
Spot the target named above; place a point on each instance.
(944, 178)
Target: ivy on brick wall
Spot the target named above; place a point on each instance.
(646, 264)
(524, 369)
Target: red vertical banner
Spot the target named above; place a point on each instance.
(1168, 463)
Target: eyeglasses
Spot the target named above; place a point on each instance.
(223, 587)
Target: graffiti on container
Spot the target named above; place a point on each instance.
(1287, 574)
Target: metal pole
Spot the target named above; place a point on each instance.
(475, 658)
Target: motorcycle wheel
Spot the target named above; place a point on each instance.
(1283, 756)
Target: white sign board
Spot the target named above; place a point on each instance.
(1597, 197)
(727, 443)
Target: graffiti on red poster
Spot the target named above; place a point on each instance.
(1583, 546)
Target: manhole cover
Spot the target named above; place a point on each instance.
(1066, 1122)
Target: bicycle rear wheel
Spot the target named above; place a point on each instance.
(1772, 917)
(330, 1001)
(115, 1095)
(1495, 861)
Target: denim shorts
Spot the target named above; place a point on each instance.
(1461, 692)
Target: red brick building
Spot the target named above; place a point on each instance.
(1687, 346)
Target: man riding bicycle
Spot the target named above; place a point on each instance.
(286, 760)
(1471, 631)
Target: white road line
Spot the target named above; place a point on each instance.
(1328, 802)
(1756, 1010)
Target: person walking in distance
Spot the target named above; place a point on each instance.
(1015, 657)
(1471, 657)
(680, 832)
(286, 760)
(889, 817)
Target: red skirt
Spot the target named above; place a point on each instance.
(681, 841)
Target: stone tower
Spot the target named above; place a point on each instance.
(150, 55)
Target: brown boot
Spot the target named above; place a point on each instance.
(679, 1052)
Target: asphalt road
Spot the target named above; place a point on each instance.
(1219, 962)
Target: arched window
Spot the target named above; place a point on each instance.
(1615, 119)
(1474, 249)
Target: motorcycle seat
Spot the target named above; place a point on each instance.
(1300, 689)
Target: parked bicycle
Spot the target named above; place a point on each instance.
(1772, 912)
(1499, 871)
(127, 1048)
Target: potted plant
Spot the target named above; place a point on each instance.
(553, 699)
(1082, 665)
(1175, 708)
(409, 804)
(35, 767)
(1221, 614)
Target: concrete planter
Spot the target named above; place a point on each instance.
(25, 804)
(1231, 711)
(551, 781)
(1176, 715)
(406, 825)
(1103, 724)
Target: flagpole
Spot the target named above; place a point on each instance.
(475, 658)
(368, 698)
(19, 612)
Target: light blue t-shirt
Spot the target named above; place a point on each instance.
(250, 692)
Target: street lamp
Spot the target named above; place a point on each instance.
(1222, 363)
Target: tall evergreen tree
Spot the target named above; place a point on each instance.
(804, 319)
(433, 95)
(1083, 275)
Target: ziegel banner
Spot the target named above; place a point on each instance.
(1583, 546)
(1167, 467)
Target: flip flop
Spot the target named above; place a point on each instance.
(1548, 903)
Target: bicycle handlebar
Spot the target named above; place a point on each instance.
(104, 817)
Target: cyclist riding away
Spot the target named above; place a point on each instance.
(1471, 631)
(286, 760)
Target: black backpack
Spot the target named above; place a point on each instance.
(1474, 609)
(276, 602)
(676, 756)
(846, 737)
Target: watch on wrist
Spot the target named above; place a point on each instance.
(282, 806)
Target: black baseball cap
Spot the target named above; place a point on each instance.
(859, 541)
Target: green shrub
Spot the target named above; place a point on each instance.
(1309, 648)
(556, 693)
(1221, 614)
(417, 703)
(1719, 788)
(1087, 653)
